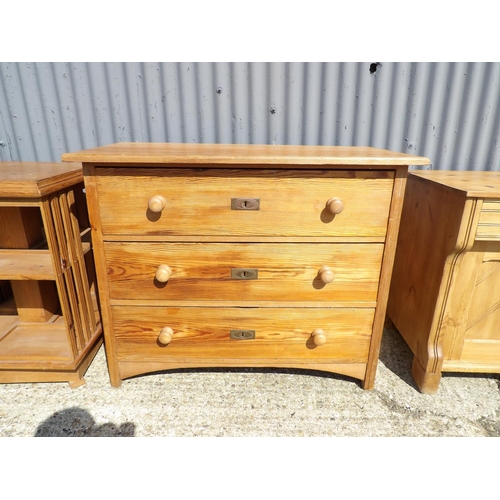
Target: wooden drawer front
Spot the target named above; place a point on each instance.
(285, 271)
(488, 227)
(291, 202)
(280, 333)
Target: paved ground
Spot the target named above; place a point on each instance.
(248, 402)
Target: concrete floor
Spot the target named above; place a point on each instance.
(248, 402)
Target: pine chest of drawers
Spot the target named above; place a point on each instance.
(243, 256)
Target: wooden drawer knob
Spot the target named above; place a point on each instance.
(166, 335)
(163, 273)
(335, 205)
(326, 274)
(157, 203)
(319, 337)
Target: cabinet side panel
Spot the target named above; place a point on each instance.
(396, 205)
(100, 267)
(430, 225)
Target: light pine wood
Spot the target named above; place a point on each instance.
(483, 318)
(163, 273)
(20, 227)
(199, 202)
(318, 337)
(243, 154)
(488, 227)
(157, 203)
(244, 239)
(286, 271)
(20, 180)
(385, 277)
(284, 333)
(335, 206)
(487, 351)
(326, 275)
(29, 370)
(314, 227)
(471, 184)
(36, 301)
(26, 265)
(51, 329)
(131, 368)
(101, 273)
(8, 323)
(242, 303)
(445, 291)
(166, 335)
(78, 249)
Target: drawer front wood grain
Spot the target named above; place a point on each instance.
(280, 333)
(277, 271)
(199, 202)
(488, 227)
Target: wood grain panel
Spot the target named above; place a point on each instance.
(133, 368)
(428, 237)
(39, 249)
(249, 154)
(48, 341)
(472, 184)
(21, 180)
(20, 227)
(481, 352)
(286, 271)
(281, 333)
(292, 203)
(483, 319)
(488, 227)
(26, 265)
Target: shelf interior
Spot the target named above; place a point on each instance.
(26, 265)
(33, 342)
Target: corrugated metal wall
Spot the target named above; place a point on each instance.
(449, 112)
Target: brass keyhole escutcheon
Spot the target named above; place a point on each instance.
(242, 334)
(245, 203)
(238, 273)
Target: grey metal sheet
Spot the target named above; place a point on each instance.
(449, 112)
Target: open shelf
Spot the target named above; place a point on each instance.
(33, 343)
(26, 265)
(50, 325)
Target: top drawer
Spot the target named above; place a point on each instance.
(488, 227)
(268, 202)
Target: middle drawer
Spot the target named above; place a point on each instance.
(244, 272)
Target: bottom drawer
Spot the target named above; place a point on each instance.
(279, 333)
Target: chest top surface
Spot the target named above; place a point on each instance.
(242, 154)
(35, 179)
(472, 184)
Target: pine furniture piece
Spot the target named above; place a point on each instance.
(211, 255)
(50, 327)
(445, 292)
